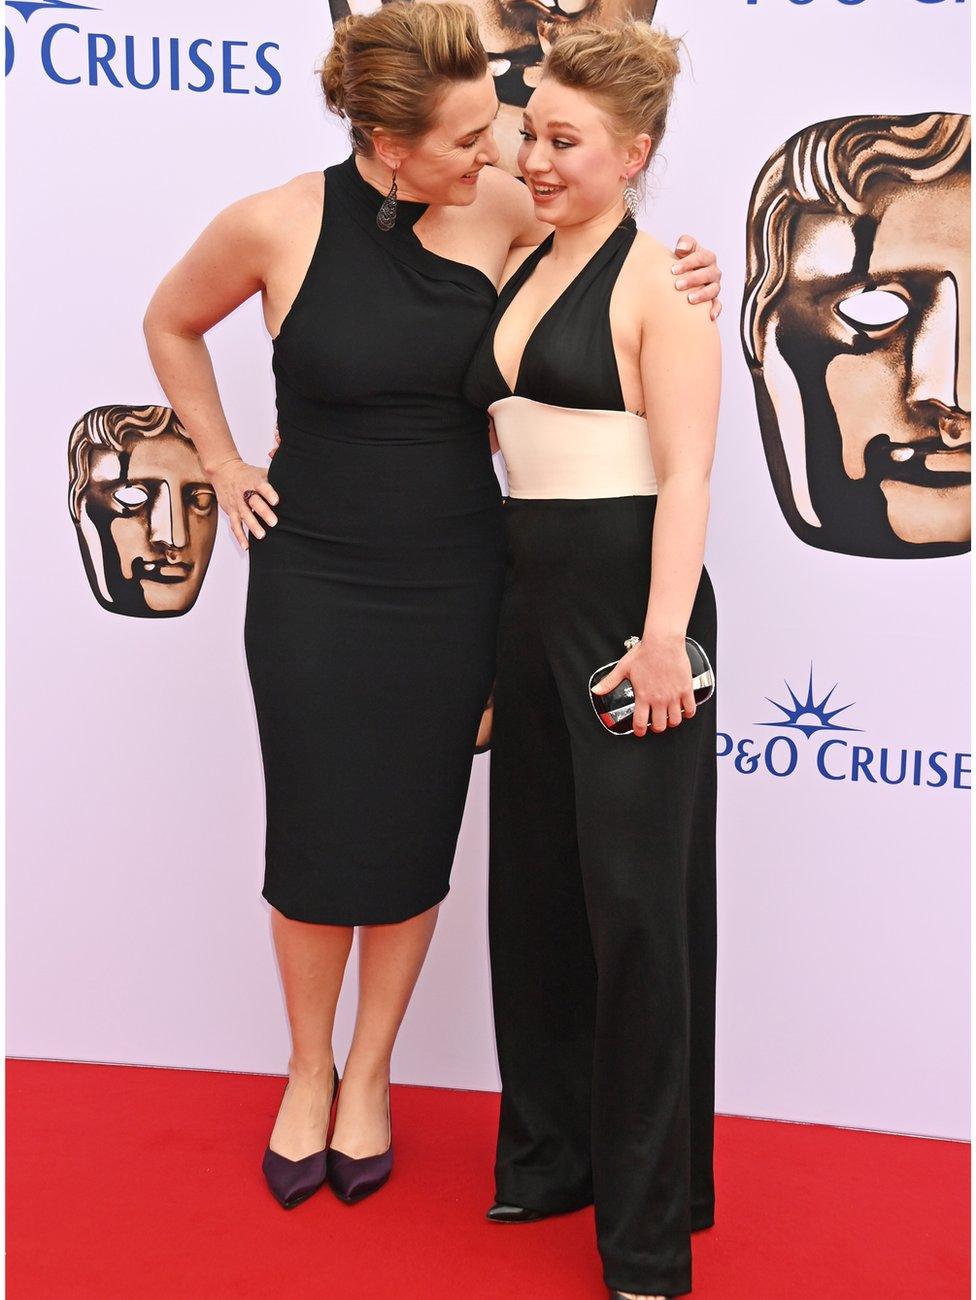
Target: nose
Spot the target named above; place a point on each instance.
(940, 365)
(536, 160)
(167, 526)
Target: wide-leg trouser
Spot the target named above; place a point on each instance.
(601, 905)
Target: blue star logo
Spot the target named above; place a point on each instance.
(28, 7)
(808, 715)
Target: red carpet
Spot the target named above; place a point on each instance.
(138, 1184)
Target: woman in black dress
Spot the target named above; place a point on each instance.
(377, 548)
(603, 388)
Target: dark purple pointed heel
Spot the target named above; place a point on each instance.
(353, 1179)
(294, 1181)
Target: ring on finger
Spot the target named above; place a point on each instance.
(248, 494)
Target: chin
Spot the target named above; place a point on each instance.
(553, 214)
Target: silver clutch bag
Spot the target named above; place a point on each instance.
(616, 710)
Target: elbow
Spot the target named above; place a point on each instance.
(690, 482)
(688, 492)
(150, 322)
(158, 324)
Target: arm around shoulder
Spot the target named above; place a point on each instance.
(513, 205)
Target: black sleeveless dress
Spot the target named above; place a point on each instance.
(602, 863)
(372, 606)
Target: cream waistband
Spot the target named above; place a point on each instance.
(562, 452)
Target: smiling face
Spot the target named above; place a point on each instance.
(146, 525)
(516, 35)
(574, 166)
(443, 167)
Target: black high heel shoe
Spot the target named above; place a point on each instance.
(294, 1181)
(501, 1213)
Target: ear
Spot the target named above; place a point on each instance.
(638, 153)
(389, 148)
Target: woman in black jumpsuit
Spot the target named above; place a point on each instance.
(602, 886)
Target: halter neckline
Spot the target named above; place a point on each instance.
(408, 211)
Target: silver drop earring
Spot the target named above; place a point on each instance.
(632, 200)
(387, 215)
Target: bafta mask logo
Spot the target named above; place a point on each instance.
(145, 515)
(516, 35)
(856, 326)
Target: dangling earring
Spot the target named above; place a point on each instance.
(632, 200)
(387, 215)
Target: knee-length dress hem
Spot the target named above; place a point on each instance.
(382, 917)
(372, 605)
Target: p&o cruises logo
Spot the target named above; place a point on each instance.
(70, 56)
(815, 732)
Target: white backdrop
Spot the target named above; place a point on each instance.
(137, 933)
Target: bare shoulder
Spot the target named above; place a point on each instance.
(251, 237)
(280, 210)
(649, 266)
(503, 198)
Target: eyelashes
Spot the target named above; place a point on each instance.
(559, 144)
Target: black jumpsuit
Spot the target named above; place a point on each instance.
(602, 877)
(373, 604)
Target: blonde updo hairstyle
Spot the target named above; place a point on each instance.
(388, 70)
(628, 68)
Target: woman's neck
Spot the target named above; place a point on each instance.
(579, 242)
(380, 177)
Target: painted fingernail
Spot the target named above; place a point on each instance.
(680, 284)
(675, 269)
(693, 297)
